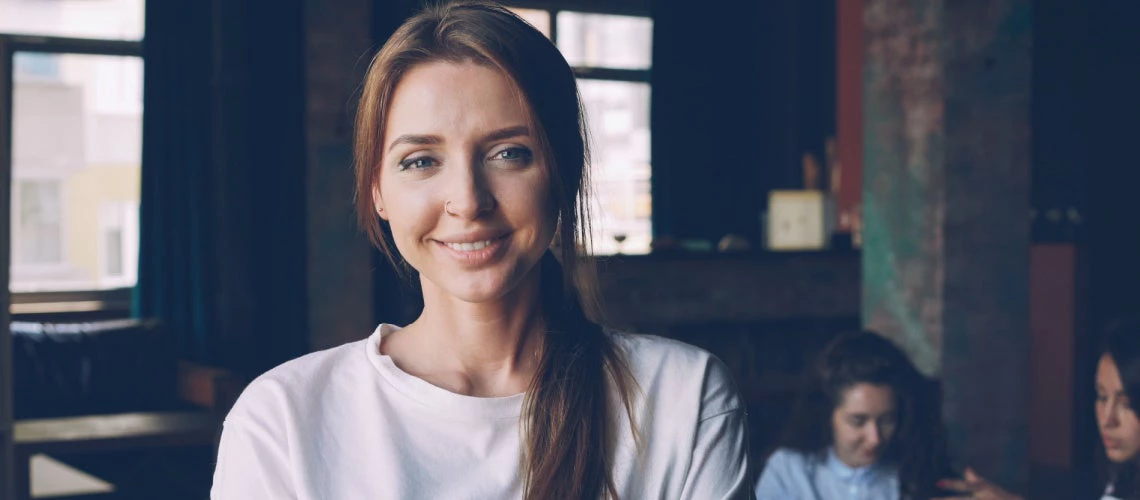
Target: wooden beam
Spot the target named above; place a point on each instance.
(7, 465)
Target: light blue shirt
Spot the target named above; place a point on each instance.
(791, 475)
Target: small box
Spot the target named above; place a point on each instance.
(800, 220)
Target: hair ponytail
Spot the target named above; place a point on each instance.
(568, 429)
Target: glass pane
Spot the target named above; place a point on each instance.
(605, 41)
(76, 156)
(118, 227)
(38, 222)
(618, 114)
(114, 19)
(114, 261)
(540, 19)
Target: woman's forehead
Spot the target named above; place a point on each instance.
(455, 100)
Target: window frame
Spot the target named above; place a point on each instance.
(637, 8)
(115, 301)
(553, 7)
(633, 8)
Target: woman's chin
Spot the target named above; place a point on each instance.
(472, 291)
(490, 284)
(1119, 456)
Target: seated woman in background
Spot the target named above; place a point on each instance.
(866, 427)
(1117, 385)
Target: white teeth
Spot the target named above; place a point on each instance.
(469, 247)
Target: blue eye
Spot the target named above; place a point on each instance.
(514, 154)
(417, 163)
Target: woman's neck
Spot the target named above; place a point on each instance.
(485, 349)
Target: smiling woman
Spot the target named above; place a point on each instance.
(467, 201)
(471, 160)
(866, 426)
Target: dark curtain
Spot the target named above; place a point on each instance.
(223, 225)
(176, 234)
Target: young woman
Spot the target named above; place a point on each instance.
(470, 158)
(866, 427)
(1117, 385)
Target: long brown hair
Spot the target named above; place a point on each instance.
(567, 423)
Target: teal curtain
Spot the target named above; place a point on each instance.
(176, 234)
(223, 232)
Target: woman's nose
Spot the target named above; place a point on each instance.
(469, 196)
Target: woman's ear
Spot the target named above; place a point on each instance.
(378, 203)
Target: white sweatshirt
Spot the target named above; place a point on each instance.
(346, 423)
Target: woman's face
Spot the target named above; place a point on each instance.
(863, 423)
(462, 183)
(1119, 428)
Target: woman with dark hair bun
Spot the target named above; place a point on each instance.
(867, 426)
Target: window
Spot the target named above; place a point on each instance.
(97, 19)
(611, 55)
(76, 144)
(605, 41)
(76, 156)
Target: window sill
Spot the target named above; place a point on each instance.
(71, 306)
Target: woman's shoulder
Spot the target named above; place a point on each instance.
(787, 473)
(788, 459)
(656, 349)
(668, 367)
(296, 381)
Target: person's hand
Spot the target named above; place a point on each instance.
(975, 487)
